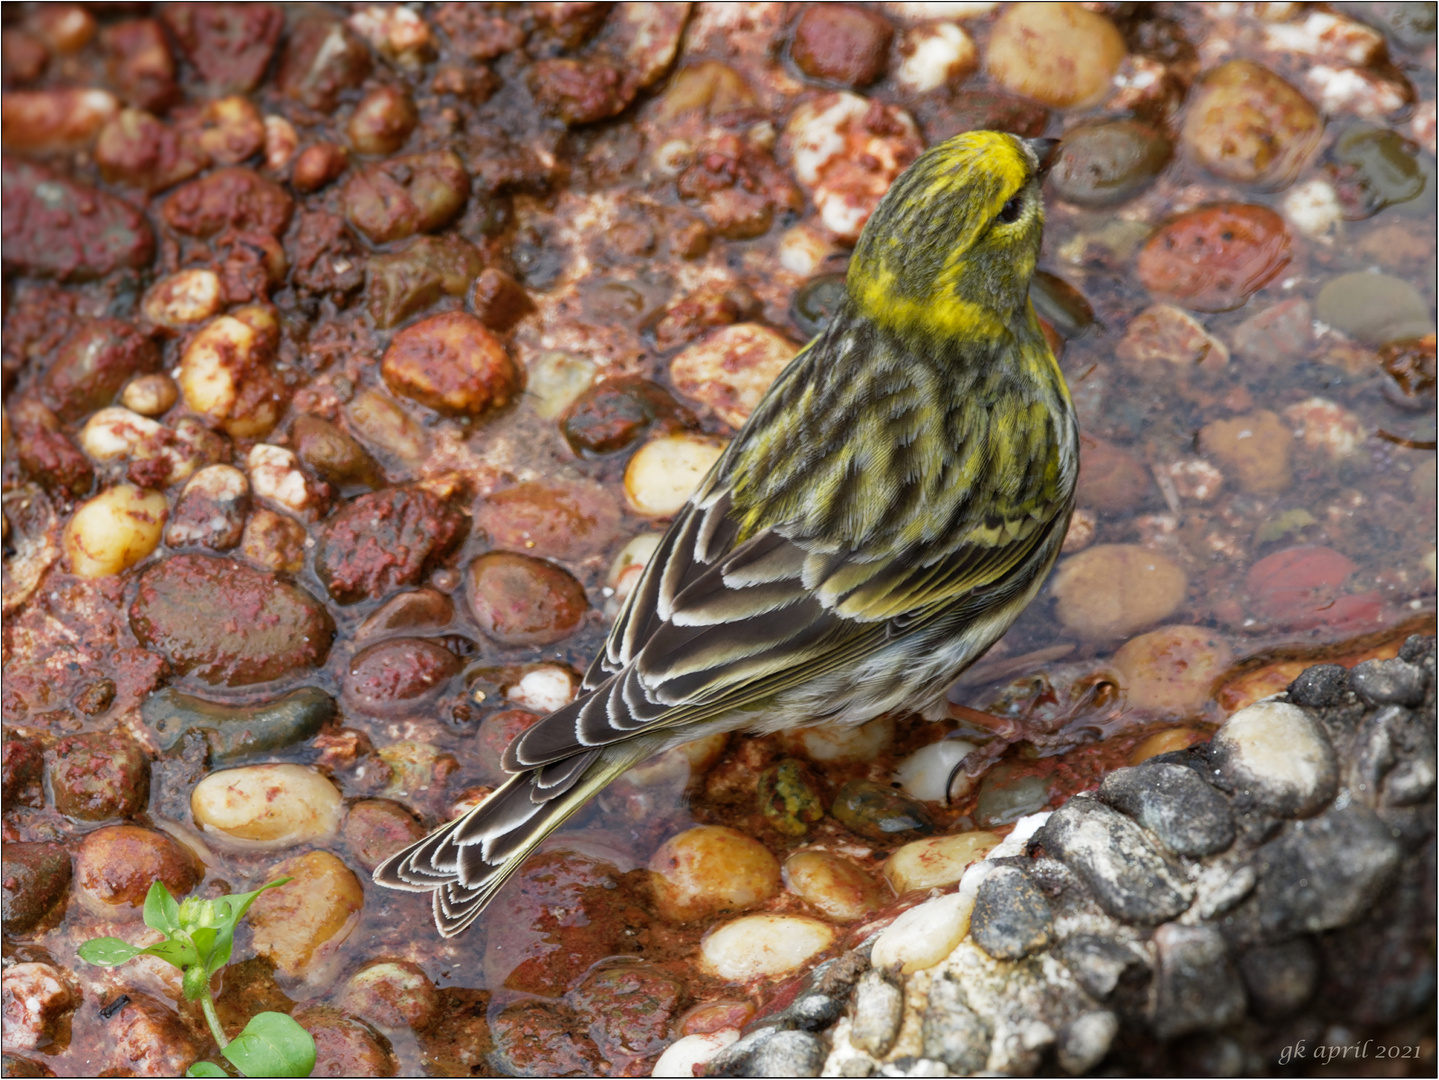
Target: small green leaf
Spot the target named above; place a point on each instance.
(272, 1044)
(162, 913)
(180, 953)
(203, 938)
(206, 1068)
(107, 951)
(229, 911)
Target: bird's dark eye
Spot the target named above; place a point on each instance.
(1010, 211)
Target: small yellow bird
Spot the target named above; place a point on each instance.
(889, 509)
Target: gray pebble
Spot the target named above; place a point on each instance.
(789, 1053)
(1196, 987)
(878, 1011)
(952, 1032)
(1388, 682)
(1011, 917)
(770, 1052)
(1101, 964)
(1174, 803)
(1280, 978)
(812, 1011)
(1115, 858)
(1273, 756)
(1322, 874)
(1320, 686)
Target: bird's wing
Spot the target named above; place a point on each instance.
(796, 558)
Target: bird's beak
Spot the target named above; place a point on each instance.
(1044, 152)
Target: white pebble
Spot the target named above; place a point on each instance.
(953, 9)
(762, 946)
(1276, 750)
(935, 54)
(1313, 208)
(276, 479)
(925, 773)
(1327, 427)
(684, 1055)
(543, 689)
(923, 936)
(802, 250)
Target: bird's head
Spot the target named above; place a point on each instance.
(952, 245)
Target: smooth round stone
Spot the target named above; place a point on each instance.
(521, 600)
(1175, 804)
(1255, 449)
(1388, 682)
(924, 935)
(392, 994)
(833, 886)
(115, 867)
(1060, 54)
(1374, 308)
(683, 1055)
(302, 924)
(816, 302)
(1111, 479)
(1107, 162)
(878, 812)
(267, 807)
(842, 744)
(1011, 917)
(665, 472)
(763, 946)
(1273, 755)
(710, 869)
(1172, 670)
(1005, 797)
(926, 773)
(1111, 590)
(1375, 168)
(936, 861)
(1213, 258)
(1245, 123)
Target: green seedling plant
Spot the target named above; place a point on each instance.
(199, 937)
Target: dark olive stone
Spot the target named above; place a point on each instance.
(787, 798)
(817, 301)
(1109, 161)
(1005, 798)
(878, 812)
(237, 731)
(1375, 168)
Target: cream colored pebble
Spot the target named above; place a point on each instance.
(150, 395)
(266, 807)
(936, 861)
(183, 298)
(923, 936)
(665, 472)
(114, 530)
(763, 946)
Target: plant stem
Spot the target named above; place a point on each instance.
(208, 1004)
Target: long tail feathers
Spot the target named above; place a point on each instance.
(466, 861)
